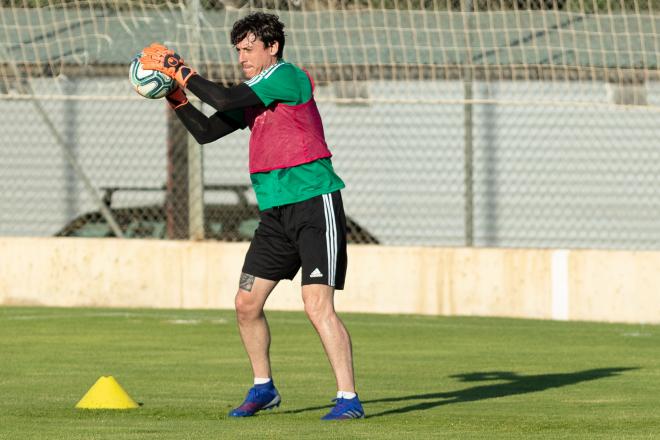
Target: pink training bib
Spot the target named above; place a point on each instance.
(283, 136)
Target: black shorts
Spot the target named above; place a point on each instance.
(310, 234)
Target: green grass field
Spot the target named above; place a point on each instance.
(418, 377)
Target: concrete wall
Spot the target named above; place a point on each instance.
(525, 283)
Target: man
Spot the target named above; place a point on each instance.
(302, 223)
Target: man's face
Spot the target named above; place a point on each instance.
(254, 57)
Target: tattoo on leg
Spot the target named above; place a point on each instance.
(246, 282)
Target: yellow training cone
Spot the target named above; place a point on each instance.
(106, 393)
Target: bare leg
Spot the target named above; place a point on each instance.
(320, 308)
(252, 323)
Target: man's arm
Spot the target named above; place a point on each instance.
(160, 58)
(223, 98)
(203, 129)
(206, 129)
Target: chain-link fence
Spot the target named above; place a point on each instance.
(528, 126)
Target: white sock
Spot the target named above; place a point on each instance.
(345, 395)
(261, 380)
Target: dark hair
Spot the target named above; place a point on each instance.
(266, 27)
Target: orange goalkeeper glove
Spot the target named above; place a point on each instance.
(177, 98)
(160, 58)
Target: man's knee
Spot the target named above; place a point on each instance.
(246, 306)
(318, 304)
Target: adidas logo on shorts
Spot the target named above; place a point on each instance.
(316, 273)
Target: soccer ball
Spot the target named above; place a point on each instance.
(151, 84)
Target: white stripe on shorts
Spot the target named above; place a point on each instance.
(330, 237)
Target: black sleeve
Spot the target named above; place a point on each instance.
(223, 98)
(206, 129)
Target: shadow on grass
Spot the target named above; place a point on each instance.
(509, 384)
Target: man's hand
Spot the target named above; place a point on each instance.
(177, 98)
(160, 58)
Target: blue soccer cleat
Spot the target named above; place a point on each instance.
(259, 397)
(345, 409)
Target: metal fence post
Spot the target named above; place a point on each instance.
(195, 155)
(468, 152)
